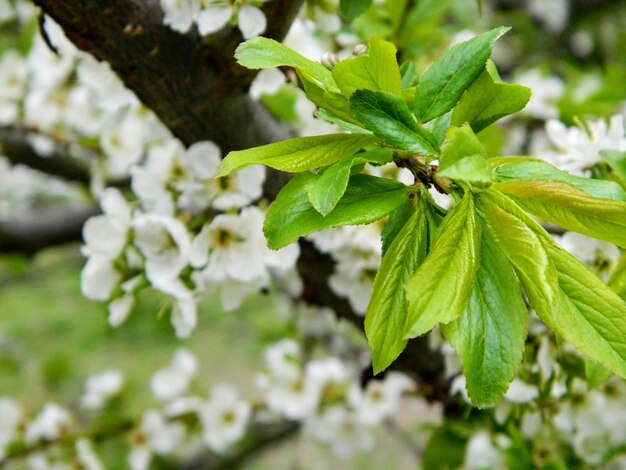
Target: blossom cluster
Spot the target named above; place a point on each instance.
(323, 394)
(212, 15)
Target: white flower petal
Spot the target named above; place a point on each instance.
(213, 19)
(252, 21)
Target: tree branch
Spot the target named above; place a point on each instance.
(43, 229)
(15, 145)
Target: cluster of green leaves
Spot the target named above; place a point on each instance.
(463, 269)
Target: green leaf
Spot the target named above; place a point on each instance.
(617, 282)
(282, 103)
(448, 77)
(522, 240)
(589, 314)
(529, 169)
(462, 143)
(387, 311)
(617, 161)
(263, 53)
(439, 290)
(351, 9)
(445, 450)
(488, 100)
(328, 187)
(595, 373)
(332, 101)
(439, 127)
(397, 220)
(390, 119)
(367, 199)
(376, 70)
(408, 72)
(568, 297)
(301, 154)
(570, 208)
(347, 126)
(490, 335)
(473, 169)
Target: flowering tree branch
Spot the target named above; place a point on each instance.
(200, 93)
(194, 86)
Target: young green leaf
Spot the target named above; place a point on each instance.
(595, 373)
(328, 116)
(448, 77)
(439, 290)
(473, 169)
(301, 154)
(387, 311)
(408, 72)
(367, 199)
(589, 314)
(617, 161)
(263, 53)
(463, 143)
(332, 101)
(329, 186)
(439, 127)
(570, 208)
(488, 99)
(522, 240)
(489, 336)
(376, 70)
(390, 119)
(351, 9)
(617, 281)
(397, 219)
(529, 169)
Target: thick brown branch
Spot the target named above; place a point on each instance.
(40, 230)
(15, 145)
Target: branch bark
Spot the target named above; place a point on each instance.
(52, 227)
(16, 146)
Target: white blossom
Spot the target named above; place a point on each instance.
(10, 419)
(173, 381)
(119, 309)
(521, 392)
(155, 434)
(13, 74)
(224, 418)
(546, 91)
(51, 423)
(380, 399)
(481, 453)
(553, 14)
(101, 387)
(338, 428)
(211, 20)
(577, 149)
(251, 21)
(86, 455)
(180, 14)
